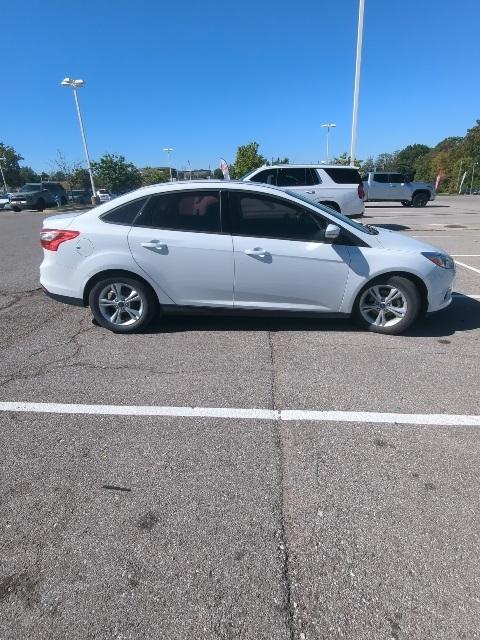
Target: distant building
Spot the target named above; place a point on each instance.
(194, 174)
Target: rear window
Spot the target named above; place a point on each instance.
(342, 175)
(125, 214)
(381, 177)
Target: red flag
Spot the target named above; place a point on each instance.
(439, 178)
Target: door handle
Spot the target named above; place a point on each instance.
(309, 191)
(154, 244)
(258, 251)
(393, 185)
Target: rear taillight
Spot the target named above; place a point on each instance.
(51, 239)
(361, 191)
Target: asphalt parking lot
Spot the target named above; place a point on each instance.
(218, 521)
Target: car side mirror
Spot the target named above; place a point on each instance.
(332, 232)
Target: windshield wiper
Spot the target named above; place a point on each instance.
(372, 229)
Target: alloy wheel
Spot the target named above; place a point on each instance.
(120, 304)
(383, 305)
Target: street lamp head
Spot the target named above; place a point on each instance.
(329, 125)
(168, 149)
(76, 84)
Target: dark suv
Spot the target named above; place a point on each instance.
(39, 196)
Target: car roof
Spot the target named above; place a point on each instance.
(305, 166)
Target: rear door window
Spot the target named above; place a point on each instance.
(311, 177)
(343, 175)
(197, 211)
(291, 177)
(268, 176)
(381, 177)
(397, 178)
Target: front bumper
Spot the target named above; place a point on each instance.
(440, 287)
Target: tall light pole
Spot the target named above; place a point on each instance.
(328, 126)
(358, 63)
(473, 171)
(3, 175)
(168, 151)
(77, 84)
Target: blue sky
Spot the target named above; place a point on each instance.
(204, 77)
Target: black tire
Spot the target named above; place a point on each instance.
(41, 204)
(420, 199)
(63, 200)
(406, 203)
(410, 295)
(16, 209)
(147, 306)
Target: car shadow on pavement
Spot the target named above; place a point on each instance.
(462, 315)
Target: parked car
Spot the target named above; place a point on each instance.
(103, 195)
(39, 196)
(4, 199)
(80, 196)
(389, 186)
(173, 247)
(337, 187)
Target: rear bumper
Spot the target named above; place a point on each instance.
(76, 302)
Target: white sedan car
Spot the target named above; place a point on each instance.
(237, 247)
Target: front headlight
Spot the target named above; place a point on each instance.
(440, 259)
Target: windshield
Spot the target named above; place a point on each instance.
(31, 187)
(356, 225)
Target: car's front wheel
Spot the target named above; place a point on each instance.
(390, 305)
(420, 200)
(406, 203)
(122, 304)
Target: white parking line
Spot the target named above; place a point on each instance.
(465, 255)
(467, 266)
(438, 419)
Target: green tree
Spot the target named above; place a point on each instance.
(247, 159)
(152, 175)
(112, 172)
(279, 160)
(10, 166)
(217, 174)
(27, 174)
(367, 165)
(406, 158)
(80, 179)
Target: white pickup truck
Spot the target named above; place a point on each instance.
(380, 186)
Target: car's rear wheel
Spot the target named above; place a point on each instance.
(122, 304)
(388, 305)
(420, 200)
(41, 205)
(406, 203)
(16, 209)
(63, 200)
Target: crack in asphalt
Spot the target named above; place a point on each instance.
(281, 534)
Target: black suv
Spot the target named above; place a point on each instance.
(39, 196)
